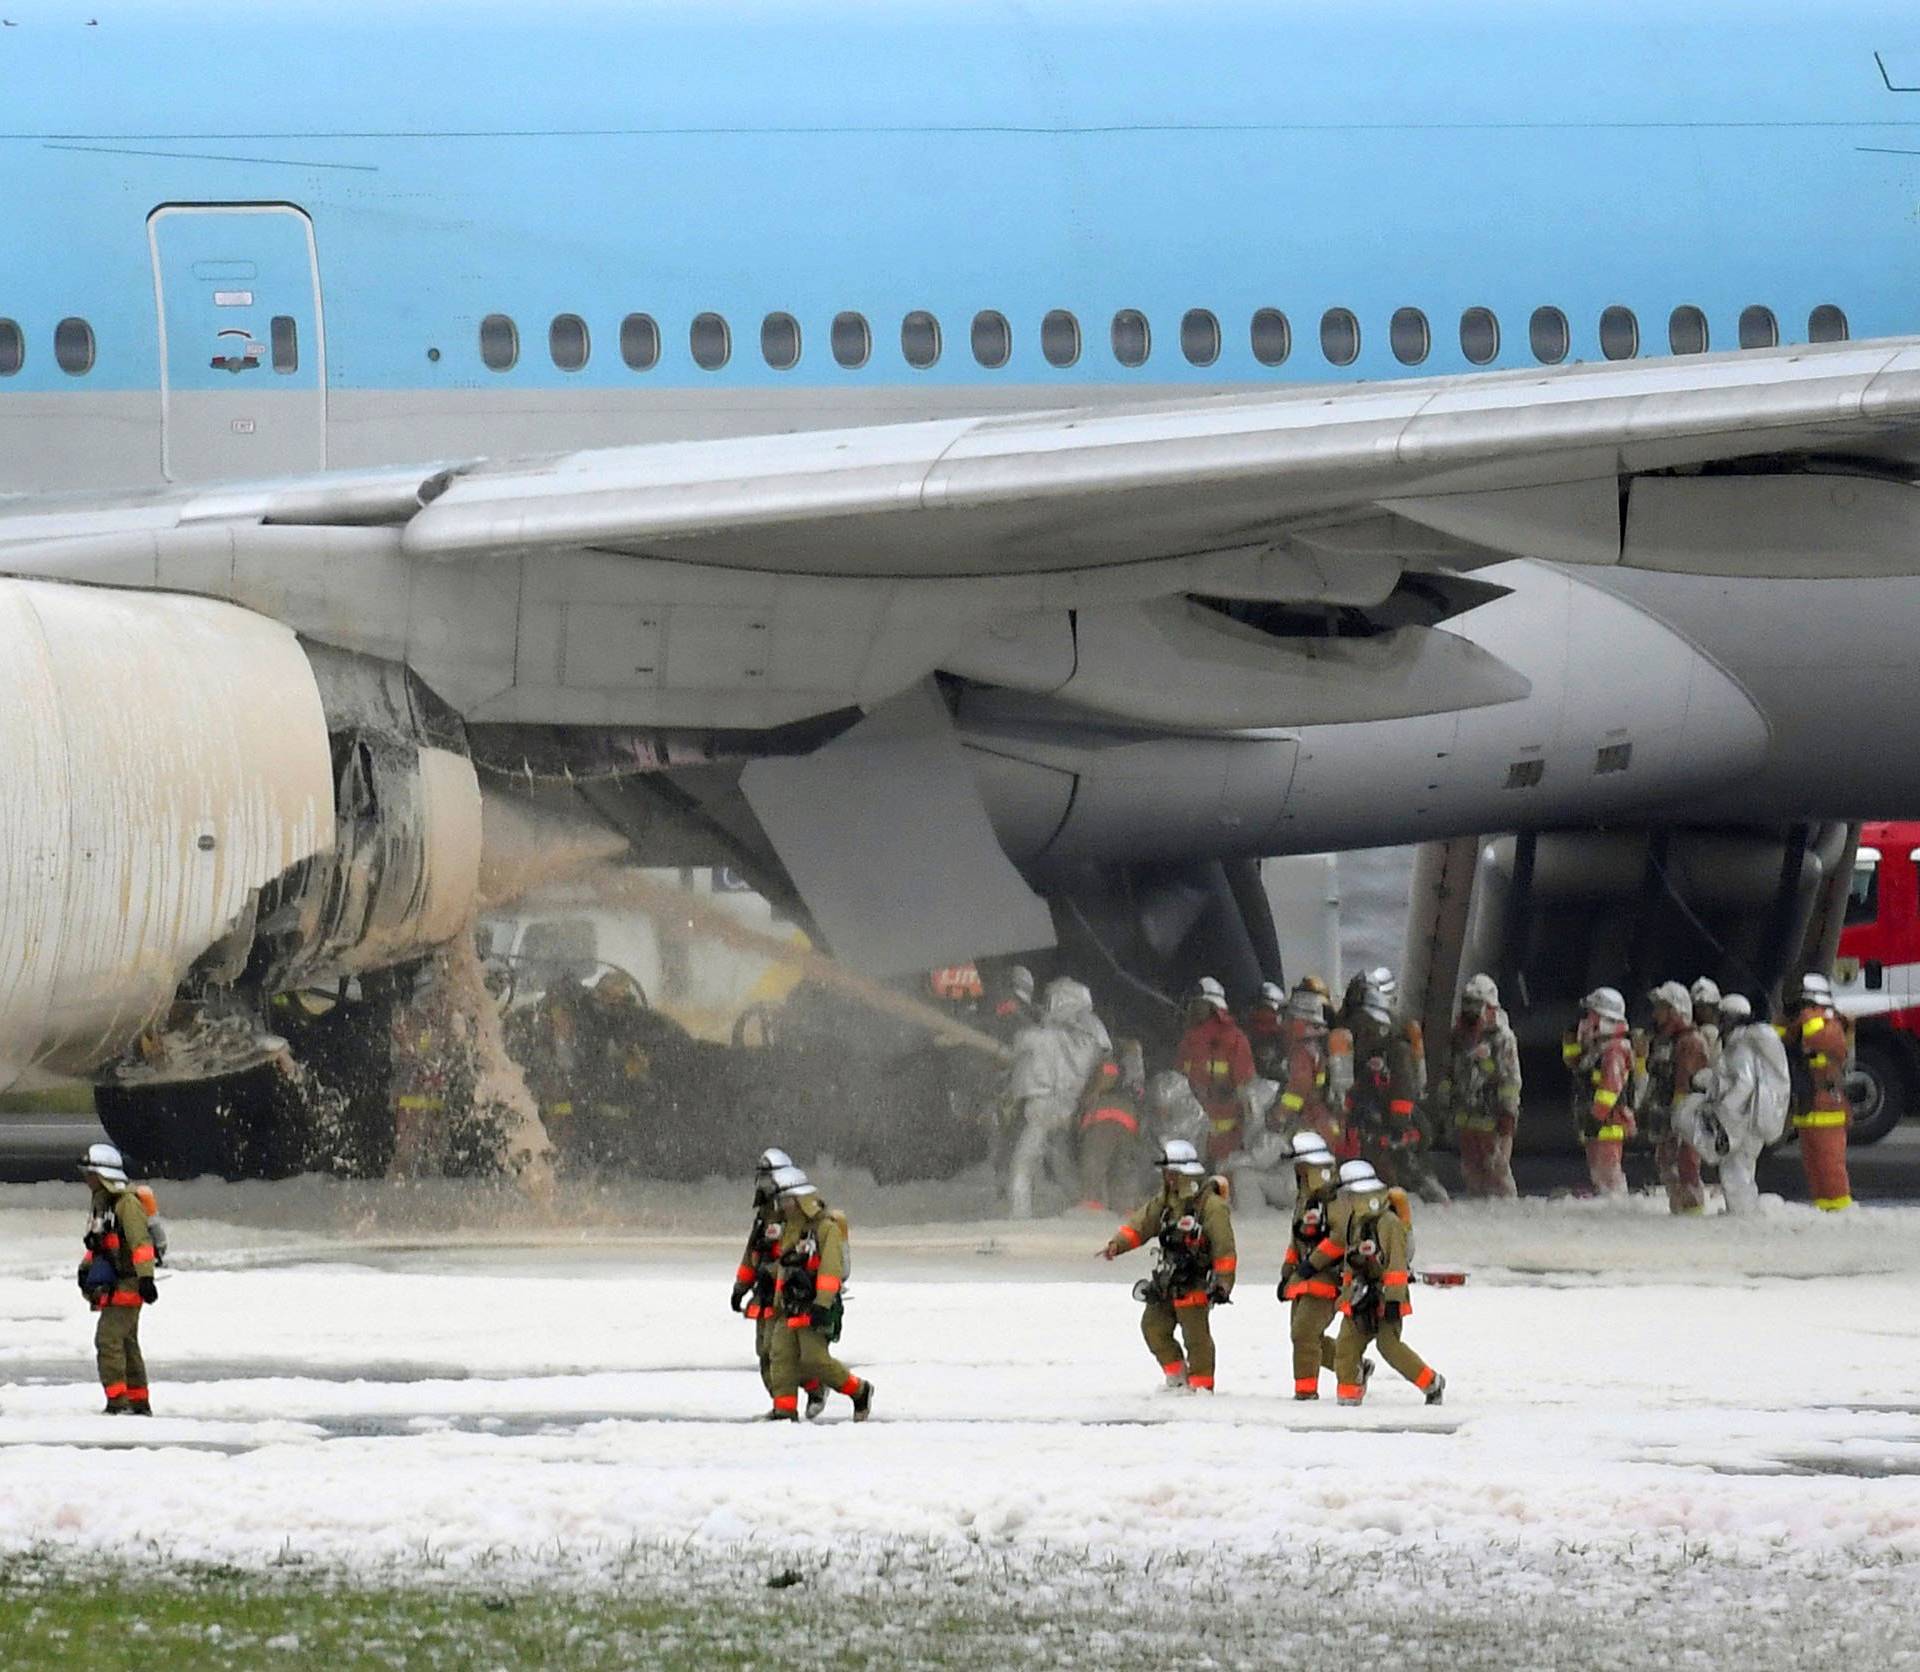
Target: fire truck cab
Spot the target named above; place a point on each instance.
(1876, 979)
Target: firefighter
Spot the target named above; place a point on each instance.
(1314, 985)
(1817, 1047)
(423, 1089)
(1384, 1105)
(1217, 1061)
(616, 1064)
(1110, 1114)
(1015, 1009)
(1741, 1104)
(545, 1041)
(1267, 1032)
(1706, 996)
(1189, 1219)
(808, 1300)
(1053, 1063)
(1676, 1056)
(1310, 1279)
(1307, 1070)
(753, 1279)
(1600, 1054)
(1373, 1227)
(1481, 1091)
(116, 1277)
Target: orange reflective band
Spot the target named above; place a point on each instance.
(829, 1284)
(1394, 1277)
(112, 1240)
(1821, 1117)
(1200, 1382)
(122, 1297)
(1184, 1303)
(756, 1311)
(1227, 1262)
(1610, 1135)
(136, 1393)
(1319, 1288)
(744, 1274)
(1425, 1379)
(1292, 1259)
(1177, 1368)
(1331, 1250)
(1119, 1117)
(1400, 1106)
(801, 1322)
(115, 1390)
(1306, 1384)
(1129, 1236)
(786, 1401)
(1352, 1390)
(143, 1252)
(850, 1386)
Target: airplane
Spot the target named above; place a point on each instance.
(987, 473)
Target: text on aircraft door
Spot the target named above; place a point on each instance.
(242, 362)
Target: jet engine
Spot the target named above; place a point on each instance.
(200, 811)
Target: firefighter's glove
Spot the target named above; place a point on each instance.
(1280, 1291)
(739, 1297)
(149, 1290)
(1217, 1293)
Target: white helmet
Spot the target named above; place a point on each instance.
(1706, 991)
(1816, 988)
(1377, 1009)
(790, 1181)
(772, 1160)
(1211, 992)
(1306, 1005)
(1359, 1177)
(103, 1161)
(1606, 1003)
(1382, 981)
(1734, 1009)
(1675, 997)
(1310, 1150)
(1271, 995)
(1482, 991)
(1020, 979)
(1179, 1156)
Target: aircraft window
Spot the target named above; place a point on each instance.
(992, 339)
(780, 341)
(1132, 340)
(567, 342)
(1200, 337)
(710, 340)
(283, 332)
(1619, 334)
(1758, 328)
(1687, 331)
(1480, 335)
(73, 347)
(852, 341)
(1863, 896)
(1340, 336)
(1827, 324)
(13, 348)
(640, 342)
(1549, 336)
(1060, 338)
(920, 339)
(1526, 775)
(499, 343)
(1409, 337)
(1272, 337)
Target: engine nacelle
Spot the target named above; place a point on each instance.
(196, 812)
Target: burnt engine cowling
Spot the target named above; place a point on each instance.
(197, 811)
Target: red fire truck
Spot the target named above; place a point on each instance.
(1877, 978)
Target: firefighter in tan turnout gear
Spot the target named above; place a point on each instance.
(753, 1279)
(1310, 1282)
(1188, 1218)
(1481, 1091)
(808, 1298)
(116, 1277)
(1373, 1227)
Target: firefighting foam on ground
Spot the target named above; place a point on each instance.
(1700, 1434)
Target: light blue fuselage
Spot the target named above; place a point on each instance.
(672, 160)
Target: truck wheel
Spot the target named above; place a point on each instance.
(1877, 1092)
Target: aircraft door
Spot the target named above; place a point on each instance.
(242, 354)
